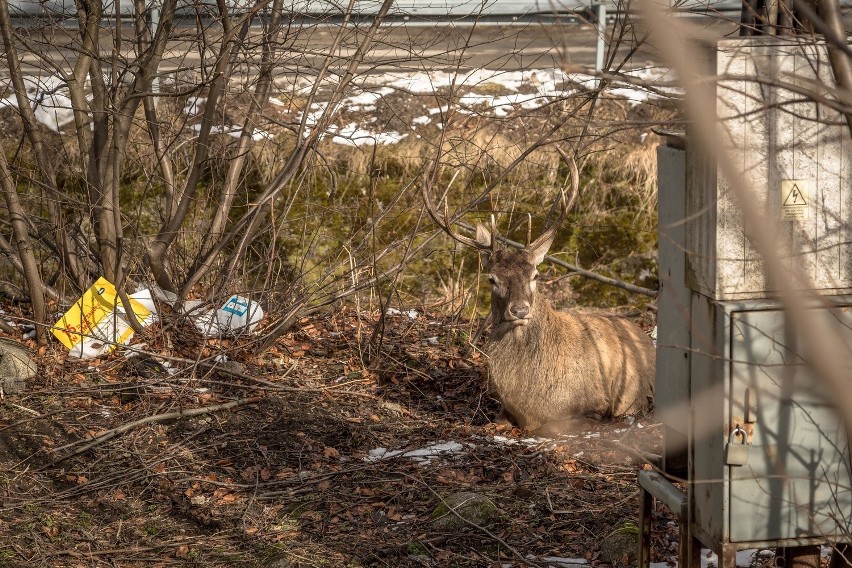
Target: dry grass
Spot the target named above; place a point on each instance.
(342, 184)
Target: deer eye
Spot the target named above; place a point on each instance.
(534, 277)
(492, 280)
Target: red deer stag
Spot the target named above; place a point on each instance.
(552, 367)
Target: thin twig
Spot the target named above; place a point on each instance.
(25, 420)
(27, 410)
(183, 413)
(120, 551)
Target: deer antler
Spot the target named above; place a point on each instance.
(567, 202)
(575, 181)
(444, 221)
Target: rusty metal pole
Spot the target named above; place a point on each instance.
(646, 509)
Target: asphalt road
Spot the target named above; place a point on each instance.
(406, 47)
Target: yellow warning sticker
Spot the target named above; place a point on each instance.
(795, 199)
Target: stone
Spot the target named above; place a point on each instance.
(16, 366)
(471, 506)
(621, 545)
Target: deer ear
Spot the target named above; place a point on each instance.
(483, 235)
(537, 250)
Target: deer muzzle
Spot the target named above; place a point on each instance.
(518, 313)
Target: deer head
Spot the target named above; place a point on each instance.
(512, 273)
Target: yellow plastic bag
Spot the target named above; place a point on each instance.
(95, 323)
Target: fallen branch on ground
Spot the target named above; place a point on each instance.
(188, 413)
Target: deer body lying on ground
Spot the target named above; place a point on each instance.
(550, 367)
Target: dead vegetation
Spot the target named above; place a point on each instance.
(121, 462)
(270, 460)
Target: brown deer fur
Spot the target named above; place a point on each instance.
(551, 366)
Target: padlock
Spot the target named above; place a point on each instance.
(735, 452)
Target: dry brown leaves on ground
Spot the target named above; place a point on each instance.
(306, 456)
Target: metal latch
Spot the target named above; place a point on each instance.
(736, 453)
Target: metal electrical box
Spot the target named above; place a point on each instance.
(793, 154)
(763, 451)
(752, 387)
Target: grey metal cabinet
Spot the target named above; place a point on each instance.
(797, 480)
(752, 382)
(749, 427)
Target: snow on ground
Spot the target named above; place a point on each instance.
(353, 135)
(193, 105)
(527, 90)
(235, 131)
(49, 99)
(421, 455)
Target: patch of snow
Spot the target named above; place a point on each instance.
(411, 314)
(52, 106)
(366, 100)
(583, 79)
(503, 440)
(743, 559)
(559, 562)
(353, 135)
(634, 96)
(504, 104)
(708, 558)
(50, 102)
(193, 105)
(421, 455)
(235, 131)
(258, 135)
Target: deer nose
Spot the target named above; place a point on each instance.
(519, 311)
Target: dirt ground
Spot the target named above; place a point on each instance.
(278, 460)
